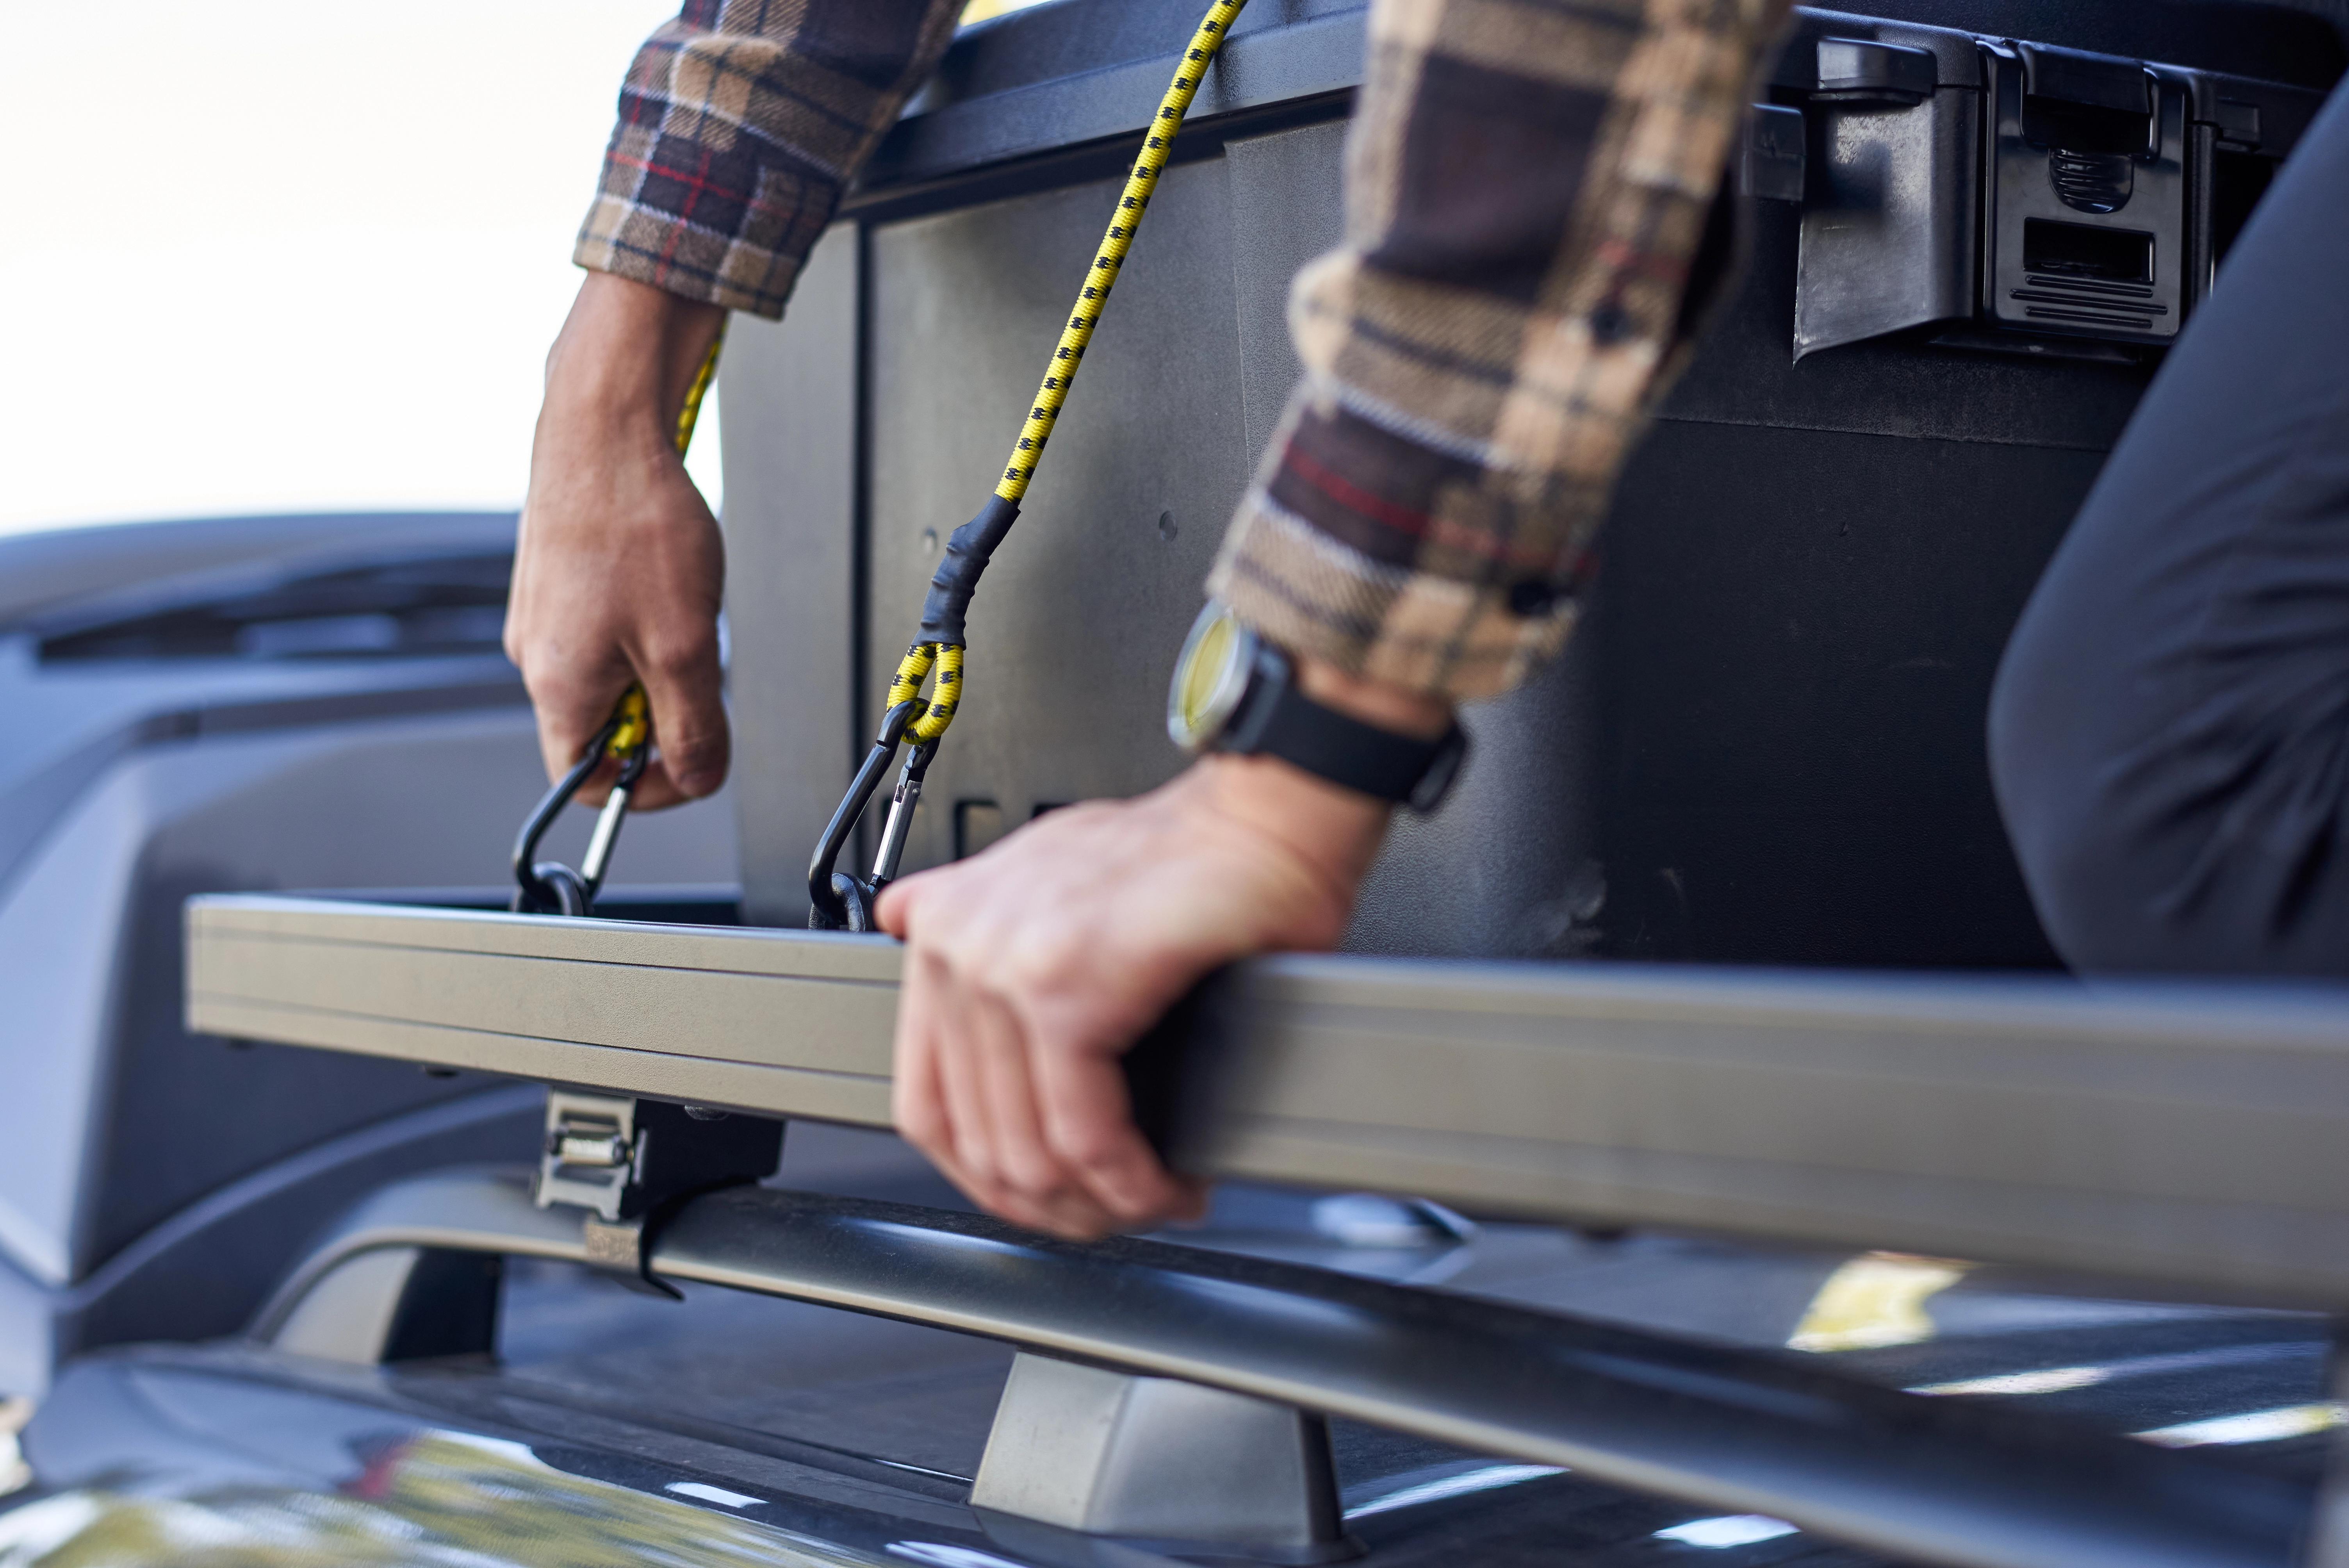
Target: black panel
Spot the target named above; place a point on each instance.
(186, 1115)
(1070, 39)
(208, 1271)
(2299, 41)
(1041, 82)
(1798, 630)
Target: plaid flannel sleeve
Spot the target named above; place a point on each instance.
(741, 124)
(1526, 184)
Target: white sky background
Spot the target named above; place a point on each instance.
(286, 255)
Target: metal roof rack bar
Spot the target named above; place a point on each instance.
(1926, 1480)
(2187, 1138)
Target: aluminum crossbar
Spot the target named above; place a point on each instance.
(2188, 1138)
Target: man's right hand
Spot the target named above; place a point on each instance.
(619, 570)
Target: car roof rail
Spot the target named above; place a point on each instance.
(1739, 1430)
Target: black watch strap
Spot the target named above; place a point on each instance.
(1276, 719)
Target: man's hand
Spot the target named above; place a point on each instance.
(1030, 969)
(618, 571)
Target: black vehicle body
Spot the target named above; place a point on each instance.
(1765, 747)
(616, 1426)
(217, 703)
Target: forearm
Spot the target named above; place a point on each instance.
(625, 360)
(1333, 831)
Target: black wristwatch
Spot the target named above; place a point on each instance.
(1233, 691)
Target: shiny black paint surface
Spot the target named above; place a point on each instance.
(849, 1436)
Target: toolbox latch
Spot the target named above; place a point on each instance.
(2086, 204)
(2032, 195)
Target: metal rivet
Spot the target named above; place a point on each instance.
(1166, 527)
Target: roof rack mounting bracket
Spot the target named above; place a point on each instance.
(630, 1162)
(1079, 1452)
(397, 1304)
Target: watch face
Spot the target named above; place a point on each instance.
(1209, 678)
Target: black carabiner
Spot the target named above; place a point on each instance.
(550, 887)
(837, 900)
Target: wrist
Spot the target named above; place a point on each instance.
(627, 356)
(1333, 831)
(1235, 693)
(1394, 708)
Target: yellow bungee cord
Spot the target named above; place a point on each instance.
(690, 415)
(945, 651)
(838, 900)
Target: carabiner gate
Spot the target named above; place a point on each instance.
(838, 900)
(550, 887)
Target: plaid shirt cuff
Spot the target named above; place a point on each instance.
(1398, 563)
(741, 124)
(1526, 187)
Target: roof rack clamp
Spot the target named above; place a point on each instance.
(630, 1162)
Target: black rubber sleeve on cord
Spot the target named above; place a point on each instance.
(968, 552)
